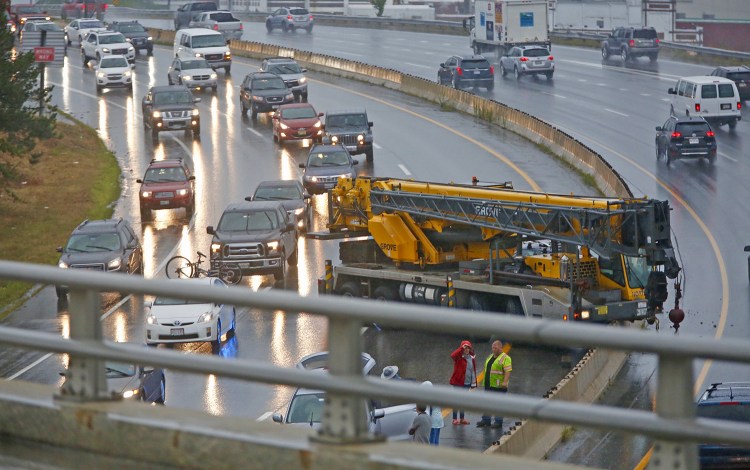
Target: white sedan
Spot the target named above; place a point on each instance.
(184, 321)
(80, 27)
(113, 71)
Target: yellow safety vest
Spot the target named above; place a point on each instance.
(498, 369)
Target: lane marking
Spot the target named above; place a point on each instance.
(29, 367)
(554, 94)
(255, 132)
(404, 169)
(645, 94)
(378, 147)
(616, 112)
(418, 65)
(728, 157)
(264, 416)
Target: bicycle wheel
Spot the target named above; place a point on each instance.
(179, 267)
(231, 273)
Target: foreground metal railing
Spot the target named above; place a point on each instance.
(674, 426)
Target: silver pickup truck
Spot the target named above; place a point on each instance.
(221, 21)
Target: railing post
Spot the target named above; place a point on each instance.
(85, 379)
(674, 399)
(344, 418)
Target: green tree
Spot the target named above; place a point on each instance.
(21, 124)
(379, 6)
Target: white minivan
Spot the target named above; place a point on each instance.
(715, 99)
(208, 44)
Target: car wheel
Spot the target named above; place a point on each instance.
(368, 155)
(61, 292)
(309, 30)
(605, 53)
(227, 70)
(549, 75)
(669, 157)
(215, 89)
(68, 41)
(243, 109)
(150, 51)
(280, 274)
(98, 58)
(503, 72)
(269, 26)
(162, 391)
(653, 57)
(190, 209)
(169, 80)
(304, 97)
(284, 27)
(671, 110)
(491, 86)
(624, 55)
(516, 73)
(197, 133)
(350, 289)
(99, 89)
(84, 59)
(732, 124)
(253, 113)
(154, 135)
(658, 151)
(385, 292)
(217, 342)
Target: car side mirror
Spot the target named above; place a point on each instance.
(139, 181)
(196, 100)
(321, 114)
(59, 249)
(671, 91)
(658, 128)
(289, 226)
(147, 102)
(747, 247)
(370, 123)
(147, 369)
(248, 198)
(377, 414)
(302, 165)
(191, 178)
(277, 418)
(355, 162)
(442, 64)
(210, 230)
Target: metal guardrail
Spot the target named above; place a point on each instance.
(673, 425)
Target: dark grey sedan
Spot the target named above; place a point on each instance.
(325, 165)
(292, 194)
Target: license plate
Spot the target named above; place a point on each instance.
(694, 141)
(742, 84)
(726, 106)
(177, 331)
(300, 132)
(329, 185)
(477, 72)
(244, 265)
(164, 203)
(538, 63)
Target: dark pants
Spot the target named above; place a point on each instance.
(459, 412)
(498, 419)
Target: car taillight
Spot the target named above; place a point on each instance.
(216, 27)
(550, 58)
(697, 107)
(739, 105)
(289, 17)
(631, 43)
(656, 41)
(459, 71)
(492, 70)
(676, 135)
(710, 134)
(311, 17)
(241, 27)
(524, 59)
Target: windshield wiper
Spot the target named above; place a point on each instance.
(117, 371)
(105, 248)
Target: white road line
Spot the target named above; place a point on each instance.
(29, 367)
(553, 94)
(363, 330)
(264, 416)
(616, 112)
(418, 65)
(582, 80)
(255, 132)
(351, 53)
(377, 146)
(601, 84)
(665, 99)
(404, 169)
(728, 157)
(623, 89)
(116, 306)
(645, 94)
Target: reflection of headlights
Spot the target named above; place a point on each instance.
(127, 73)
(302, 80)
(114, 264)
(272, 246)
(156, 114)
(317, 124)
(129, 393)
(213, 75)
(187, 77)
(62, 264)
(106, 50)
(182, 192)
(290, 96)
(299, 211)
(146, 194)
(151, 320)
(100, 74)
(334, 139)
(283, 126)
(195, 112)
(208, 316)
(215, 247)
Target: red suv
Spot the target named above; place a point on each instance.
(167, 184)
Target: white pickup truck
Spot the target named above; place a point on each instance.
(221, 21)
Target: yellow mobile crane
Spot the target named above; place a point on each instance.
(499, 249)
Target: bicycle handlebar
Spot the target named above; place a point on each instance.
(201, 255)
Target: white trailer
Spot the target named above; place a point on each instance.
(501, 24)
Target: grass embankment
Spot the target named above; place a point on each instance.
(77, 178)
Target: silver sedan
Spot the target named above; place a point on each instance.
(195, 74)
(528, 60)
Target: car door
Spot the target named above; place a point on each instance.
(661, 140)
(224, 311)
(174, 71)
(289, 237)
(450, 68)
(444, 72)
(276, 18)
(146, 105)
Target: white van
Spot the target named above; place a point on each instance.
(206, 43)
(715, 99)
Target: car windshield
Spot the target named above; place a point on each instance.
(637, 271)
(346, 120)
(298, 11)
(536, 53)
(90, 24)
(111, 39)
(274, 83)
(131, 28)
(739, 76)
(306, 408)
(173, 97)
(209, 40)
(299, 113)
(164, 175)
(223, 17)
(48, 27)
(248, 221)
(277, 193)
(111, 62)
(29, 10)
(195, 64)
(93, 242)
(119, 369)
(690, 127)
(334, 158)
(644, 34)
(170, 301)
(282, 69)
(208, 6)
(475, 64)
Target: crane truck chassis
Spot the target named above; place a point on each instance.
(492, 248)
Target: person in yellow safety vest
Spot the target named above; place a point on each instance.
(497, 368)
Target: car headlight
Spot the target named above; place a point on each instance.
(146, 194)
(131, 49)
(127, 73)
(213, 75)
(227, 55)
(257, 98)
(149, 38)
(106, 50)
(290, 96)
(360, 138)
(114, 264)
(272, 246)
(196, 112)
(206, 317)
(187, 77)
(585, 315)
(62, 264)
(156, 114)
(334, 139)
(101, 74)
(302, 80)
(151, 320)
(198, 54)
(182, 192)
(215, 247)
(283, 126)
(129, 393)
(299, 211)
(317, 124)
(314, 179)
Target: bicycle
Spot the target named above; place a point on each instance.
(179, 267)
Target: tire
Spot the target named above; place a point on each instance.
(369, 155)
(658, 152)
(516, 73)
(215, 89)
(197, 133)
(99, 89)
(624, 55)
(456, 84)
(350, 289)
(243, 109)
(284, 27)
(231, 273)
(478, 303)
(150, 51)
(228, 70)
(491, 86)
(62, 292)
(503, 72)
(98, 58)
(280, 274)
(549, 75)
(154, 135)
(162, 391)
(385, 292)
(671, 110)
(84, 59)
(217, 342)
(304, 97)
(179, 267)
(653, 57)
(669, 158)
(732, 124)
(68, 41)
(253, 113)
(169, 80)
(309, 30)
(269, 26)
(146, 214)
(513, 306)
(605, 53)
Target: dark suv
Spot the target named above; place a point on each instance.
(685, 137)
(351, 128)
(325, 165)
(630, 43)
(171, 108)
(167, 184)
(258, 235)
(740, 75)
(460, 72)
(101, 245)
(729, 401)
(263, 92)
(136, 34)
